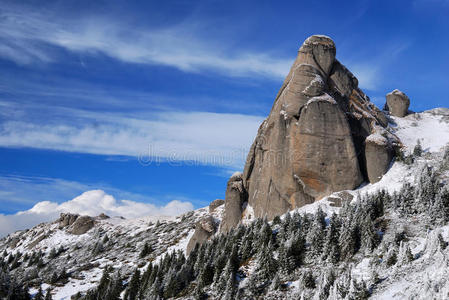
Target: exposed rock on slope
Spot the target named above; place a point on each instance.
(397, 103)
(76, 224)
(204, 229)
(378, 153)
(235, 197)
(313, 141)
(214, 204)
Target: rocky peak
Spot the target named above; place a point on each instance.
(314, 141)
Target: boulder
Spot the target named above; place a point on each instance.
(66, 219)
(340, 198)
(204, 229)
(397, 103)
(12, 243)
(378, 153)
(103, 216)
(81, 225)
(234, 200)
(214, 204)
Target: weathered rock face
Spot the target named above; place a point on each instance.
(82, 225)
(313, 142)
(378, 154)
(204, 229)
(397, 103)
(77, 224)
(235, 197)
(66, 219)
(214, 204)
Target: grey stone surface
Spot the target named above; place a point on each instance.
(204, 229)
(66, 219)
(397, 103)
(234, 200)
(214, 204)
(81, 225)
(378, 153)
(313, 141)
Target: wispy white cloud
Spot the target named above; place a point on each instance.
(27, 36)
(90, 203)
(201, 137)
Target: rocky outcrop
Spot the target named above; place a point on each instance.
(313, 141)
(235, 197)
(397, 103)
(204, 229)
(82, 225)
(66, 219)
(378, 153)
(214, 204)
(77, 224)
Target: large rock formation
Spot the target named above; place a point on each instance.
(313, 142)
(379, 154)
(215, 204)
(204, 229)
(76, 224)
(397, 103)
(235, 198)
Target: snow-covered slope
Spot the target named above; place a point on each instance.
(117, 242)
(113, 242)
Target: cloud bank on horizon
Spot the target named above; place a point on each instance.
(91, 203)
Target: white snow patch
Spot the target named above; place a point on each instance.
(323, 98)
(431, 128)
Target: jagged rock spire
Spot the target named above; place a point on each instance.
(313, 141)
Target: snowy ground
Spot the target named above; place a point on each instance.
(427, 274)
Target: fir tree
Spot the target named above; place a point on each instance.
(408, 254)
(54, 278)
(105, 239)
(368, 234)
(308, 280)
(349, 237)
(104, 281)
(442, 242)
(52, 253)
(265, 234)
(48, 294)
(114, 289)
(265, 269)
(146, 250)
(417, 151)
(39, 295)
(275, 283)
(392, 258)
(198, 293)
(331, 246)
(230, 288)
(17, 292)
(132, 291)
(316, 233)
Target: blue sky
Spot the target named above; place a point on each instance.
(155, 101)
